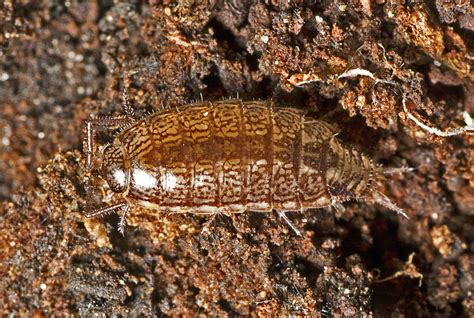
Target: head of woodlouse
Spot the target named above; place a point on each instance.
(114, 168)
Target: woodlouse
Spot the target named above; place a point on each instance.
(231, 156)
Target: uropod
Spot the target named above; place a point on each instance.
(229, 156)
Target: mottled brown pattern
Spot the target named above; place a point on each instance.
(234, 156)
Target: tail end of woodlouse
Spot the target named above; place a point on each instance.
(383, 200)
(389, 171)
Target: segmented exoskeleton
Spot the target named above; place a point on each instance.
(232, 156)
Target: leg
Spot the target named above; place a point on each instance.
(220, 211)
(207, 224)
(213, 216)
(123, 219)
(108, 209)
(287, 220)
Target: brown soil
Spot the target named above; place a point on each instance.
(63, 60)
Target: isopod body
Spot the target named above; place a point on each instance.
(235, 156)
